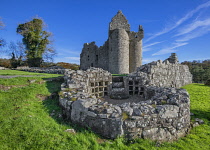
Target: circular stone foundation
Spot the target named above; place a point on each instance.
(163, 117)
(161, 114)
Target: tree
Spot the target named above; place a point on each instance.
(17, 53)
(36, 41)
(199, 69)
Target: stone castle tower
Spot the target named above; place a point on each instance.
(120, 54)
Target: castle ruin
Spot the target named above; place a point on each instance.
(120, 54)
(147, 103)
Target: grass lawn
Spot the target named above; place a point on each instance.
(30, 119)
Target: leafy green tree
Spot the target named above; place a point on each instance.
(36, 41)
(199, 69)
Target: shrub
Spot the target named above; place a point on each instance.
(207, 82)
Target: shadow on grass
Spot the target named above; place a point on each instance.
(203, 85)
(204, 115)
(52, 105)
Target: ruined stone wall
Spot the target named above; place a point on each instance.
(88, 56)
(165, 74)
(103, 56)
(93, 82)
(163, 115)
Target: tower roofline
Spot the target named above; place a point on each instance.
(119, 21)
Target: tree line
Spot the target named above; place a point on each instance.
(35, 47)
(199, 69)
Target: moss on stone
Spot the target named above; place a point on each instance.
(125, 116)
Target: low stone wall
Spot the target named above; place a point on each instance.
(3, 68)
(50, 70)
(166, 74)
(94, 82)
(163, 115)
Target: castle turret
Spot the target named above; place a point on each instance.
(119, 44)
(135, 49)
(119, 52)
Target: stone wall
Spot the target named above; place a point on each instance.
(51, 70)
(103, 56)
(3, 68)
(159, 74)
(93, 82)
(89, 56)
(166, 74)
(163, 114)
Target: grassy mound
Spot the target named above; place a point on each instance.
(30, 118)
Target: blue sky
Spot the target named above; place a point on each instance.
(181, 26)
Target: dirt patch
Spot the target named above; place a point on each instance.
(131, 99)
(41, 97)
(6, 88)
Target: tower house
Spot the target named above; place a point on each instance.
(121, 53)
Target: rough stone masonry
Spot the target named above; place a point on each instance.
(160, 112)
(120, 54)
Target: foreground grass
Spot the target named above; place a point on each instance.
(26, 123)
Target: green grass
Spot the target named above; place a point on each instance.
(26, 123)
(120, 75)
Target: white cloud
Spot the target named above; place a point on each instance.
(151, 44)
(146, 49)
(164, 51)
(169, 49)
(64, 51)
(194, 25)
(180, 21)
(194, 34)
(178, 45)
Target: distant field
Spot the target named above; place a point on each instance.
(30, 119)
